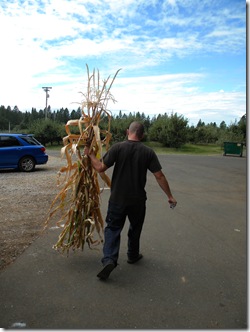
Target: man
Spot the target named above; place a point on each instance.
(131, 160)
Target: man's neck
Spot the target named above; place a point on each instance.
(133, 138)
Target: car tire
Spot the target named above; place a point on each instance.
(26, 164)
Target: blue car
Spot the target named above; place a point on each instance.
(21, 151)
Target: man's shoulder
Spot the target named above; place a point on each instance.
(147, 148)
(127, 144)
(116, 145)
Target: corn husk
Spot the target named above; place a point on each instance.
(78, 200)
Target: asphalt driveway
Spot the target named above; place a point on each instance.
(193, 274)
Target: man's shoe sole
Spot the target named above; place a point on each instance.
(105, 272)
(132, 261)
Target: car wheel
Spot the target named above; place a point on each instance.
(26, 164)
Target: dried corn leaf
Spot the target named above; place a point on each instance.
(79, 198)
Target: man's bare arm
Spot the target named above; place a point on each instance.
(163, 183)
(99, 166)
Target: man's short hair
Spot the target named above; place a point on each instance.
(137, 128)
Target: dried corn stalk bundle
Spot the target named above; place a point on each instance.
(79, 199)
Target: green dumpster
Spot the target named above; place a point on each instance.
(233, 148)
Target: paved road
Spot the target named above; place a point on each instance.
(193, 274)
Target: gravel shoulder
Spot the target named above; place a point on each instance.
(25, 199)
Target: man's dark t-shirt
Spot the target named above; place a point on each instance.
(131, 160)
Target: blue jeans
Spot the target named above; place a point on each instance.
(115, 221)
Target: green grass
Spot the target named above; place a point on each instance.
(53, 147)
(197, 149)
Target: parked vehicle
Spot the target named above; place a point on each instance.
(21, 151)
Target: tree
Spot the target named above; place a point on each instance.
(4, 123)
(76, 114)
(157, 126)
(200, 123)
(176, 131)
(242, 124)
(171, 131)
(46, 131)
(223, 125)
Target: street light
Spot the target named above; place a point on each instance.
(46, 89)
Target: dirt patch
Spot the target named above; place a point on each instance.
(25, 199)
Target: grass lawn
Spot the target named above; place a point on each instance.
(202, 149)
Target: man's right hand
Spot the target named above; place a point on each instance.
(172, 201)
(86, 151)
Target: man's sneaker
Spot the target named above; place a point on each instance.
(134, 260)
(105, 272)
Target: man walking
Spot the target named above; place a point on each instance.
(131, 160)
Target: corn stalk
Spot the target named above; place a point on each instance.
(79, 198)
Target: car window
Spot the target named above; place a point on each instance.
(31, 140)
(7, 141)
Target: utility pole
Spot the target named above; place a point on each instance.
(46, 89)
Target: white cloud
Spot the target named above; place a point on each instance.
(49, 43)
(176, 93)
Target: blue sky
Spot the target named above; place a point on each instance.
(181, 56)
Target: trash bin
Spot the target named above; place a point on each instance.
(233, 148)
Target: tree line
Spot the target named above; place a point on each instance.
(172, 130)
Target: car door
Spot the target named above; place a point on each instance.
(10, 151)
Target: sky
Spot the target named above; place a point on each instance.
(176, 56)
